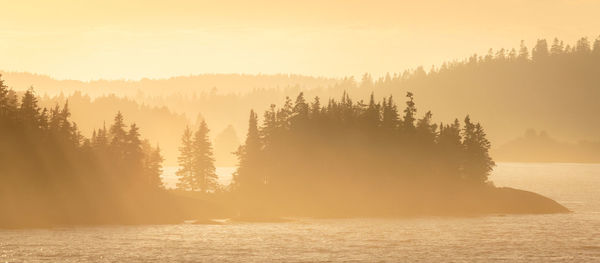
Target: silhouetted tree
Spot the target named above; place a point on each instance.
(186, 162)
(248, 175)
(477, 162)
(203, 168)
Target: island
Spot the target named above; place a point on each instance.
(339, 158)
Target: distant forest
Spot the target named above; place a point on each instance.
(552, 86)
(536, 146)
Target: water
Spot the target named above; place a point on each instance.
(573, 237)
(170, 179)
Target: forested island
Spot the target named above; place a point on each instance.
(348, 158)
(50, 174)
(331, 159)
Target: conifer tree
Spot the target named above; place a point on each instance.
(118, 136)
(205, 178)
(186, 162)
(134, 155)
(153, 166)
(247, 177)
(523, 51)
(3, 99)
(477, 162)
(372, 113)
(390, 114)
(596, 47)
(29, 110)
(408, 123)
(540, 51)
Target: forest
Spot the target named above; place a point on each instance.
(342, 158)
(555, 81)
(326, 158)
(51, 174)
(346, 157)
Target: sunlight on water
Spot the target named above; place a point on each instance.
(512, 238)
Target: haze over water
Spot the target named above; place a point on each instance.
(299, 131)
(513, 238)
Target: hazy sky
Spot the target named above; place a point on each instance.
(134, 39)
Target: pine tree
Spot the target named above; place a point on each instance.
(3, 99)
(29, 110)
(596, 47)
(185, 161)
(205, 178)
(315, 109)
(583, 46)
(450, 150)
(371, 114)
(540, 51)
(300, 110)
(152, 166)
(390, 114)
(134, 155)
(523, 52)
(408, 123)
(247, 177)
(477, 163)
(118, 136)
(557, 47)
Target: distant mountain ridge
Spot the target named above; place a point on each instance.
(226, 83)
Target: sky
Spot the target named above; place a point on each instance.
(133, 39)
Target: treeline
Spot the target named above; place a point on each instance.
(555, 81)
(541, 147)
(310, 158)
(51, 174)
(551, 86)
(160, 124)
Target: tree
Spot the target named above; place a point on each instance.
(3, 99)
(118, 136)
(300, 111)
(205, 178)
(540, 51)
(247, 178)
(450, 150)
(409, 113)
(29, 110)
(596, 48)
(477, 163)
(152, 166)
(390, 114)
(523, 52)
(557, 47)
(134, 155)
(186, 162)
(583, 46)
(371, 114)
(366, 81)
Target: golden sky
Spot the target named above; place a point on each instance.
(134, 39)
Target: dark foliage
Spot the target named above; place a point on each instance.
(50, 173)
(307, 156)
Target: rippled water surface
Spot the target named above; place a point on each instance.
(573, 237)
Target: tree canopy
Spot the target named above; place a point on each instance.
(307, 155)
